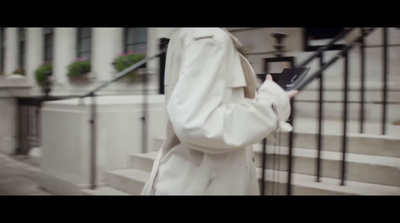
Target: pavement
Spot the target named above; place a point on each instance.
(19, 177)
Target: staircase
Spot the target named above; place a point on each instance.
(373, 164)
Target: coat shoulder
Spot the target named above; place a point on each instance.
(195, 34)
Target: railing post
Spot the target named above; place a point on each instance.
(289, 188)
(93, 137)
(19, 121)
(263, 165)
(37, 123)
(163, 43)
(144, 111)
(385, 74)
(279, 36)
(362, 95)
(47, 84)
(344, 137)
(320, 117)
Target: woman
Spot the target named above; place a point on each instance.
(214, 116)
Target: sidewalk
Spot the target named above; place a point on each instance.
(19, 177)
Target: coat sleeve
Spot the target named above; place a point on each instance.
(201, 119)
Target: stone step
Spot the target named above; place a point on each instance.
(104, 191)
(142, 161)
(130, 181)
(158, 143)
(360, 168)
(364, 168)
(305, 185)
(370, 96)
(356, 143)
(334, 110)
(368, 144)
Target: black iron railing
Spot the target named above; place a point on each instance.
(318, 74)
(344, 53)
(324, 65)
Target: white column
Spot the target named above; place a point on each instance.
(64, 52)
(11, 55)
(34, 53)
(106, 44)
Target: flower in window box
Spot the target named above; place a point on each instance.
(80, 67)
(125, 60)
(20, 71)
(42, 72)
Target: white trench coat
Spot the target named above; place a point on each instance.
(214, 116)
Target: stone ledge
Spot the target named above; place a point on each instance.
(14, 81)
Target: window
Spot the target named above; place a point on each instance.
(48, 44)
(2, 48)
(135, 39)
(21, 44)
(84, 42)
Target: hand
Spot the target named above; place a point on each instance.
(291, 93)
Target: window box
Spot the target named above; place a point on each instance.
(42, 72)
(20, 71)
(125, 60)
(80, 70)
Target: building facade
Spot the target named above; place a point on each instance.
(26, 49)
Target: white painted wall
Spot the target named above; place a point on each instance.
(7, 125)
(66, 137)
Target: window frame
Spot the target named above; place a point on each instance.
(48, 44)
(80, 53)
(21, 47)
(126, 39)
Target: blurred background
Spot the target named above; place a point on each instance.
(82, 109)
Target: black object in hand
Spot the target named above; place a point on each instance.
(291, 78)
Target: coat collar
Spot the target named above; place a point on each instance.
(235, 40)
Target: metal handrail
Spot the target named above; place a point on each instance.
(335, 58)
(327, 46)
